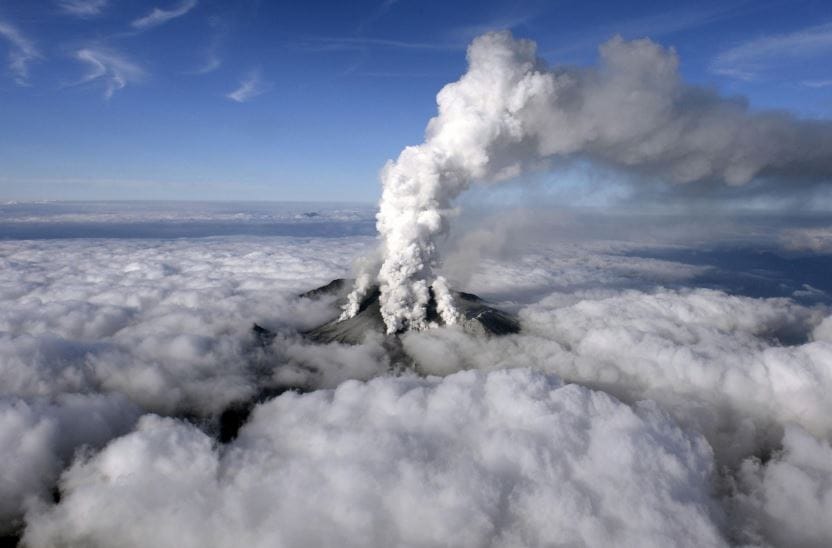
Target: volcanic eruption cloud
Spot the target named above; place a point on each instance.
(510, 113)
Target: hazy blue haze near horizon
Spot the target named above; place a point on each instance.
(748, 254)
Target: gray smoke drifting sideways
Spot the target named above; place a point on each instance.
(510, 113)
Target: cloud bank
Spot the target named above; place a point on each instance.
(136, 328)
(679, 423)
(503, 459)
(95, 335)
(705, 357)
(787, 501)
(39, 437)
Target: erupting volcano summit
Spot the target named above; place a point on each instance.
(475, 316)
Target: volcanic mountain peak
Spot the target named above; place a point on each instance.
(476, 316)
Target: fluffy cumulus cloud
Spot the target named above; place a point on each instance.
(788, 500)
(718, 363)
(38, 438)
(166, 323)
(504, 459)
(691, 416)
(94, 332)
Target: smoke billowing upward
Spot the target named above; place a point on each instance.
(510, 113)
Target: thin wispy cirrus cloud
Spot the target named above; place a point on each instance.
(250, 87)
(161, 16)
(22, 51)
(654, 25)
(380, 11)
(82, 8)
(211, 56)
(211, 63)
(748, 60)
(335, 43)
(113, 69)
(816, 83)
(363, 44)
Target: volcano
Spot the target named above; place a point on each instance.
(477, 317)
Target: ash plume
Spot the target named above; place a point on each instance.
(510, 113)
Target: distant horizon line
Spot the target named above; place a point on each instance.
(644, 209)
(6, 202)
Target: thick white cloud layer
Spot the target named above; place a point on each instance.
(788, 500)
(166, 323)
(94, 332)
(710, 359)
(181, 213)
(39, 437)
(506, 458)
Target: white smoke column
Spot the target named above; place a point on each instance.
(420, 185)
(444, 301)
(363, 283)
(509, 113)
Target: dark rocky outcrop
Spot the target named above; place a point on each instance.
(477, 317)
(237, 414)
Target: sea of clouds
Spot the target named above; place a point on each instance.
(658, 394)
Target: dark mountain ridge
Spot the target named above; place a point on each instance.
(477, 317)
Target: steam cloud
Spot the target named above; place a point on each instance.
(510, 113)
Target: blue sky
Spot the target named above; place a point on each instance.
(251, 100)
